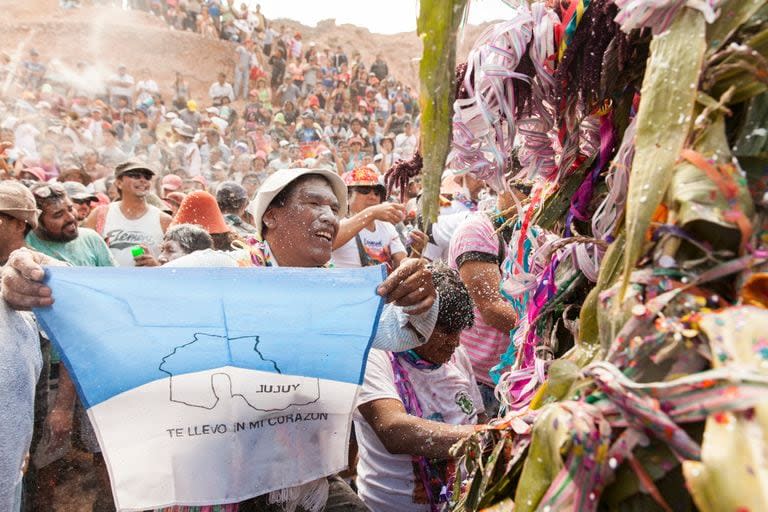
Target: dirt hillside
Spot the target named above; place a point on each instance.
(108, 36)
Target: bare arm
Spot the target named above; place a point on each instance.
(482, 280)
(401, 433)
(351, 226)
(91, 220)
(165, 221)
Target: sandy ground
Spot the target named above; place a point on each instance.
(107, 36)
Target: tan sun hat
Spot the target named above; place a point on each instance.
(132, 164)
(281, 179)
(17, 201)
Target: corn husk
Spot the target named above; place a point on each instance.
(733, 14)
(699, 204)
(733, 472)
(664, 118)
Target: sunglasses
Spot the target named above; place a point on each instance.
(136, 175)
(365, 190)
(47, 190)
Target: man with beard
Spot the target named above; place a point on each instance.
(131, 221)
(57, 233)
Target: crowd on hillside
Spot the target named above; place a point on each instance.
(306, 106)
(125, 171)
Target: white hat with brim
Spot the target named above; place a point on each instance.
(273, 185)
(184, 130)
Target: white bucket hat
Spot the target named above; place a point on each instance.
(281, 179)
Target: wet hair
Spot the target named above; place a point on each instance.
(223, 241)
(456, 309)
(55, 193)
(190, 237)
(231, 197)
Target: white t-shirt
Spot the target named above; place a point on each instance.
(121, 233)
(193, 162)
(405, 146)
(442, 232)
(379, 244)
(146, 89)
(448, 394)
(25, 135)
(277, 164)
(125, 87)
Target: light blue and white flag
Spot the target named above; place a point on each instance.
(210, 386)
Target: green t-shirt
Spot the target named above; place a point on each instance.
(87, 250)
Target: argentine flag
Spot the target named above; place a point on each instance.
(209, 386)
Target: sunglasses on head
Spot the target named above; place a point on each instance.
(47, 190)
(138, 175)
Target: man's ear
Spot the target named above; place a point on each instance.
(269, 218)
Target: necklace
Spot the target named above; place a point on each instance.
(132, 216)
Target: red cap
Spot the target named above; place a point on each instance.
(37, 172)
(172, 182)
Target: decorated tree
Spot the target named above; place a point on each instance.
(637, 376)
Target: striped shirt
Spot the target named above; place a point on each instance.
(476, 240)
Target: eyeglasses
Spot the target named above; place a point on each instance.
(47, 190)
(136, 175)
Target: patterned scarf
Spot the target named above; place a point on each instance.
(428, 471)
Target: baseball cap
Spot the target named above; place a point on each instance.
(17, 201)
(171, 182)
(77, 191)
(274, 184)
(37, 172)
(132, 164)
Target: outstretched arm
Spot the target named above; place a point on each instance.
(349, 227)
(401, 433)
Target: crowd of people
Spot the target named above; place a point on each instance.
(125, 176)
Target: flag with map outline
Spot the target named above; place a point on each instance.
(211, 386)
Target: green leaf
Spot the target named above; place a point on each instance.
(700, 205)
(550, 433)
(741, 78)
(733, 14)
(554, 207)
(752, 140)
(664, 119)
